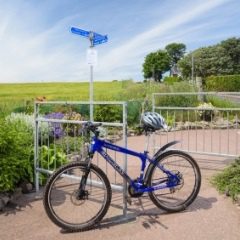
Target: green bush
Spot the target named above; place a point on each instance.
(133, 112)
(50, 158)
(219, 102)
(16, 144)
(70, 144)
(171, 80)
(228, 83)
(108, 113)
(177, 100)
(134, 92)
(228, 180)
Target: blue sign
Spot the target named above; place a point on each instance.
(95, 38)
(80, 32)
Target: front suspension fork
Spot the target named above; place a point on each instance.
(83, 182)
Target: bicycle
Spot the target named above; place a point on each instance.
(77, 195)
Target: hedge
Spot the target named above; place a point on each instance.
(228, 83)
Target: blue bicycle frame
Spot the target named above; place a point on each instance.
(171, 181)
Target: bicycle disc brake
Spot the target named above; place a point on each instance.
(78, 199)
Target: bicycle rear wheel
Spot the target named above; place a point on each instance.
(61, 197)
(176, 198)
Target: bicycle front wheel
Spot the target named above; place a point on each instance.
(174, 199)
(63, 204)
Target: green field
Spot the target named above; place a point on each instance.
(17, 95)
(58, 91)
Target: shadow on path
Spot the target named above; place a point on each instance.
(143, 207)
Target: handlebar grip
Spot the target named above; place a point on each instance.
(96, 124)
(91, 126)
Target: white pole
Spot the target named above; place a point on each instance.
(91, 93)
(192, 68)
(91, 80)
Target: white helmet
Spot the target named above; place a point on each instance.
(153, 121)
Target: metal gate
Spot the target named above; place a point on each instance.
(202, 129)
(58, 139)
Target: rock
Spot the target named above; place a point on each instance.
(227, 193)
(223, 123)
(131, 132)
(2, 204)
(238, 200)
(17, 193)
(26, 187)
(204, 124)
(4, 199)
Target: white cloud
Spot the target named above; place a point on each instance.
(49, 55)
(153, 39)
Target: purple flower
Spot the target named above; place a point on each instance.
(57, 130)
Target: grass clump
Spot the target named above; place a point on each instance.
(228, 181)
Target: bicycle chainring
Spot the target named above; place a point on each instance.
(133, 193)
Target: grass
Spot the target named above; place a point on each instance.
(56, 91)
(13, 96)
(228, 181)
(18, 95)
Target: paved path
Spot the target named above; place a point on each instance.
(211, 216)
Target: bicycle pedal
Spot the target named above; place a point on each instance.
(129, 200)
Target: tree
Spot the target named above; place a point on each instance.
(175, 51)
(156, 64)
(219, 59)
(232, 48)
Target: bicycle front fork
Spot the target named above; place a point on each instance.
(82, 193)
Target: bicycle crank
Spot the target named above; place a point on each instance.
(133, 193)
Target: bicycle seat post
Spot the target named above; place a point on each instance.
(147, 134)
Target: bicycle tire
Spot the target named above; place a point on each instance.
(64, 173)
(161, 200)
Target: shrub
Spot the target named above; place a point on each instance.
(206, 111)
(16, 144)
(29, 123)
(133, 112)
(171, 80)
(228, 83)
(228, 180)
(177, 100)
(50, 158)
(70, 144)
(217, 101)
(72, 129)
(135, 92)
(108, 113)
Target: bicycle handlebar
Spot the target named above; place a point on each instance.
(90, 126)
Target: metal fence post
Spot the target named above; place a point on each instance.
(36, 173)
(125, 158)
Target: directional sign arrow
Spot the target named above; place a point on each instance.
(80, 32)
(94, 37)
(100, 40)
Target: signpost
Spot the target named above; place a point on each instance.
(95, 39)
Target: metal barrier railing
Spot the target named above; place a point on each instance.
(201, 130)
(58, 140)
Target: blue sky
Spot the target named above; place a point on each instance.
(36, 44)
